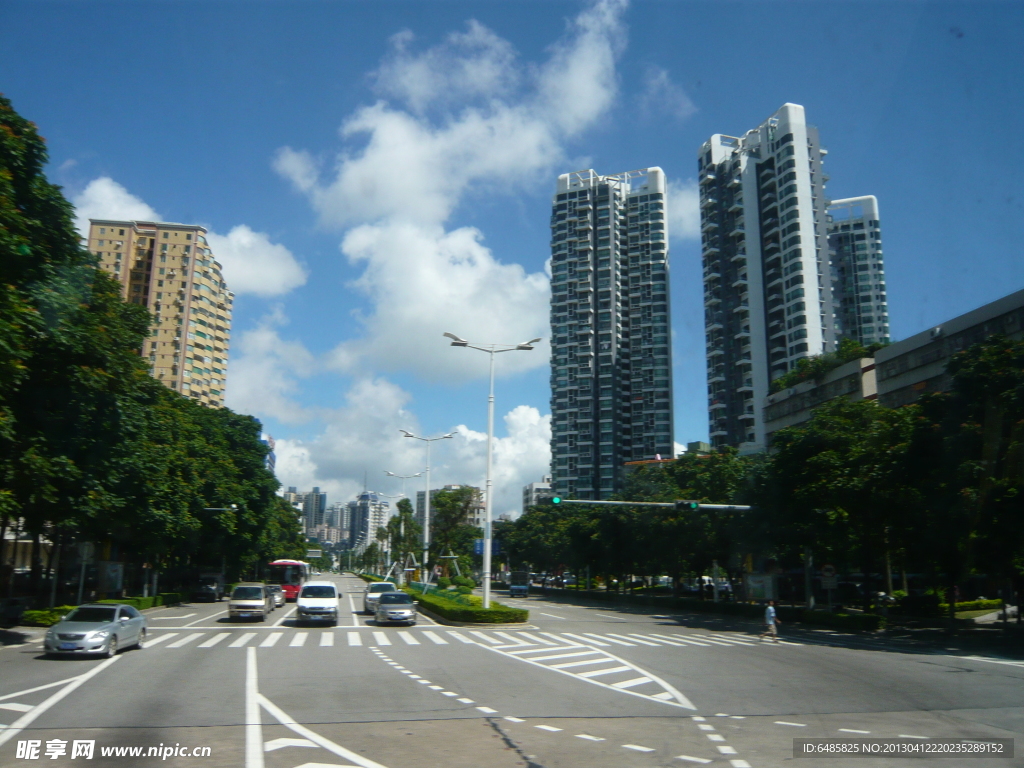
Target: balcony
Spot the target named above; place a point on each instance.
(711, 250)
(741, 283)
(738, 231)
(716, 405)
(719, 433)
(747, 416)
(709, 174)
(716, 378)
(715, 352)
(709, 225)
(715, 326)
(712, 274)
(712, 301)
(742, 307)
(708, 201)
(737, 205)
(735, 181)
(739, 256)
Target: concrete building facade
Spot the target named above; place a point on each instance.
(858, 269)
(535, 493)
(169, 269)
(611, 360)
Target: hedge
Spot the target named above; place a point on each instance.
(142, 603)
(453, 611)
(47, 617)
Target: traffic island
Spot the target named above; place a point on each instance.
(462, 610)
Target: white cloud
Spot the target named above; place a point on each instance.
(660, 94)
(399, 187)
(263, 372)
(104, 198)
(684, 210)
(679, 448)
(253, 264)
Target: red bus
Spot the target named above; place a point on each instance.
(290, 574)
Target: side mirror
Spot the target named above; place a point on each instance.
(124, 618)
(415, 602)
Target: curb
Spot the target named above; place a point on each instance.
(451, 623)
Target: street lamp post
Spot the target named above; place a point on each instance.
(492, 350)
(401, 520)
(426, 497)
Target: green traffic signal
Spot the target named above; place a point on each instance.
(556, 499)
(687, 506)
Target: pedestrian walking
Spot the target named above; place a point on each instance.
(771, 622)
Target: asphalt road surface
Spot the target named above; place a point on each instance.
(579, 687)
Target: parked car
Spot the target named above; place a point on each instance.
(396, 608)
(318, 601)
(250, 600)
(96, 629)
(373, 593)
(209, 587)
(278, 593)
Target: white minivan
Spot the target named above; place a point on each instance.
(317, 601)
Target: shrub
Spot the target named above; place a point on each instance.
(464, 590)
(443, 582)
(463, 581)
(458, 611)
(46, 617)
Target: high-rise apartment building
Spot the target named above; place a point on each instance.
(535, 493)
(855, 249)
(767, 279)
(367, 513)
(611, 360)
(170, 269)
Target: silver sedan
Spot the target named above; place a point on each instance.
(96, 629)
(395, 608)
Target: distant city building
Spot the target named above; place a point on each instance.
(268, 441)
(367, 513)
(611, 361)
(170, 270)
(855, 250)
(477, 512)
(698, 447)
(535, 493)
(313, 505)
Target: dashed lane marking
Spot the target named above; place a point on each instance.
(588, 737)
(908, 736)
(726, 750)
(552, 616)
(547, 728)
(487, 710)
(688, 758)
(795, 725)
(852, 730)
(515, 719)
(637, 748)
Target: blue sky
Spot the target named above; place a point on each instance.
(353, 249)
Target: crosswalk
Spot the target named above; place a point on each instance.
(514, 642)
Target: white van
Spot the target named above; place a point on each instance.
(317, 601)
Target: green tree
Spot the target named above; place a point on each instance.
(450, 530)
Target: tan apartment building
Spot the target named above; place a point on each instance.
(169, 269)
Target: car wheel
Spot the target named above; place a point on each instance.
(111, 650)
(142, 639)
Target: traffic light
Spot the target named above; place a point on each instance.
(687, 506)
(556, 499)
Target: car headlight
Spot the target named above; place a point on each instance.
(98, 634)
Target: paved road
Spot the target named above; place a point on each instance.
(579, 687)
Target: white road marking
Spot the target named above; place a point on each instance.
(705, 727)
(487, 710)
(568, 664)
(992, 661)
(735, 640)
(739, 764)
(270, 746)
(631, 683)
(552, 616)
(423, 682)
(186, 640)
(541, 640)
(715, 736)
(271, 640)
(599, 672)
(15, 706)
(681, 639)
(465, 701)
(158, 640)
(852, 730)
(288, 615)
(726, 750)
(656, 640)
(381, 638)
(326, 639)
(515, 719)
(436, 687)
(242, 640)
(547, 728)
(700, 760)
(516, 640)
(698, 719)
(637, 748)
(214, 640)
(563, 655)
(586, 640)
(664, 695)
(414, 677)
(611, 640)
(633, 639)
(449, 693)
(606, 616)
(908, 736)
(408, 638)
(588, 737)
(795, 725)
(207, 618)
(713, 641)
(523, 652)
(299, 640)
(460, 637)
(354, 638)
(171, 618)
(485, 638)
(435, 638)
(253, 722)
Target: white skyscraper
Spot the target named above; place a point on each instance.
(767, 279)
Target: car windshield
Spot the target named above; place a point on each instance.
(247, 593)
(274, 588)
(395, 597)
(91, 614)
(318, 592)
(382, 588)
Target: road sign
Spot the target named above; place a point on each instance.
(830, 582)
(312, 554)
(828, 570)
